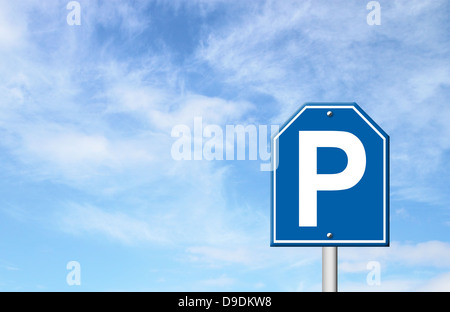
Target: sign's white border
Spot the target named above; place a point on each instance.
(330, 242)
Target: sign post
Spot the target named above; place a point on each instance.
(329, 269)
(330, 182)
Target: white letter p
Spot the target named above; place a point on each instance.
(310, 182)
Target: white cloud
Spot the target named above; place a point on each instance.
(91, 159)
(155, 92)
(188, 213)
(221, 281)
(403, 267)
(118, 226)
(393, 285)
(352, 267)
(73, 150)
(8, 266)
(398, 72)
(407, 283)
(439, 283)
(163, 109)
(217, 256)
(85, 119)
(434, 254)
(68, 148)
(130, 17)
(12, 26)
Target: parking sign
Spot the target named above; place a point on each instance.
(330, 183)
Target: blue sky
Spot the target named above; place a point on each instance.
(86, 115)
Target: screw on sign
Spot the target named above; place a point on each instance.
(330, 183)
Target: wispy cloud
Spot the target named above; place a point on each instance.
(12, 29)
(157, 215)
(428, 254)
(327, 52)
(221, 281)
(411, 283)
(8, 266)
(440, 283)
(118, 226)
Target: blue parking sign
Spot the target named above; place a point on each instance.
(330, 181)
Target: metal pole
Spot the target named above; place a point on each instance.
(329, 269)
